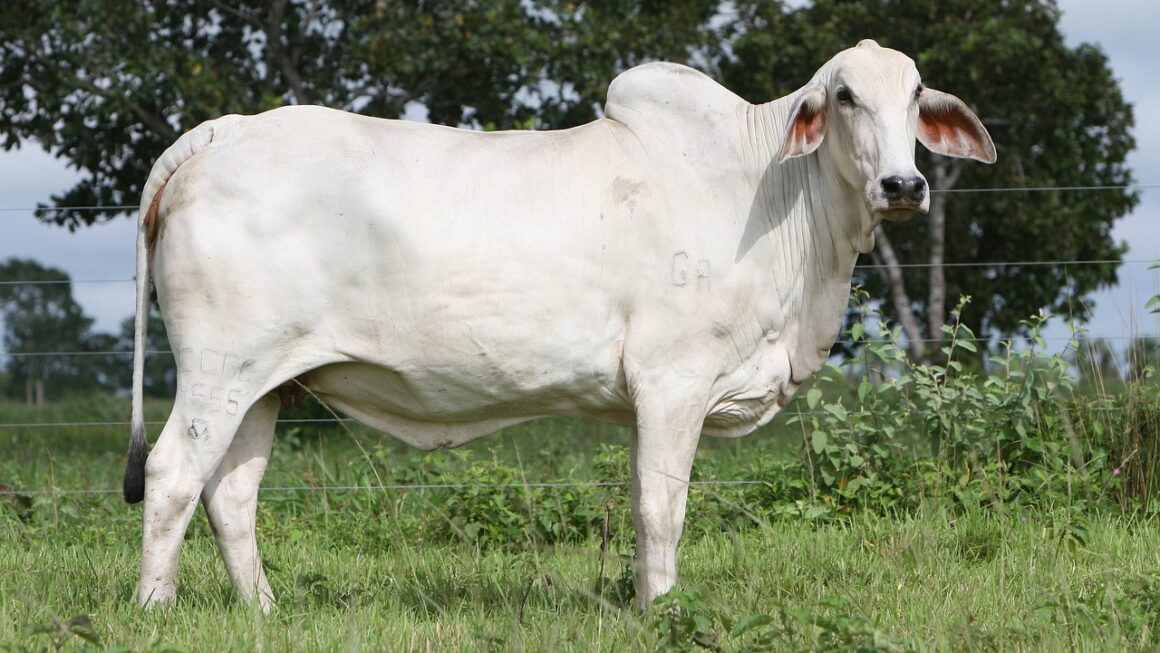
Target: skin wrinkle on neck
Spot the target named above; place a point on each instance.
(812, 224)
(805, 219)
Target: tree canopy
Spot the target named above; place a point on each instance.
(108, 85)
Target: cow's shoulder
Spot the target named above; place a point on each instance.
(669, 93)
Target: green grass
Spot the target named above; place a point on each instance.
(378, 570)
(929, 583)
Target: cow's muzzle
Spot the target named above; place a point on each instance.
(904, 192)
(899, 197)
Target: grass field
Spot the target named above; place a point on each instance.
(498, 564)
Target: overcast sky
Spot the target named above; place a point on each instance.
(100, 259)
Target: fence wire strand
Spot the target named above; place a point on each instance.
(869, 341)
(387, 487)
(866, 266)
(1000, 189)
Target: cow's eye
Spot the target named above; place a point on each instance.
(844, 97)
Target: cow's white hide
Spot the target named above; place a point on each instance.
(679, 266)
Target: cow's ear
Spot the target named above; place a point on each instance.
(806, 126)
(947, 126)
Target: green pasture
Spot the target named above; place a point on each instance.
(363, 556)
(894, 506)
(930, 582)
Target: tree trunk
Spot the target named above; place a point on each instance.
(887, 262)
(282, 54)
(946, 173)
(33, 391)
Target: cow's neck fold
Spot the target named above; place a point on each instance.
(811, 224)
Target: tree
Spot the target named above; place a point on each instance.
(108, 85)
(41, 317)
(1055, 113)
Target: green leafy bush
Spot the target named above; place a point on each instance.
(916, 432)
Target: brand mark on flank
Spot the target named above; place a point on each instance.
(686, 272)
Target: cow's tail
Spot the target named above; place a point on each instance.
(148, 221)
(133, 485)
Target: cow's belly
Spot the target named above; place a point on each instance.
(428, 409)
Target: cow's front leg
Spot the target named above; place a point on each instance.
(663, 447)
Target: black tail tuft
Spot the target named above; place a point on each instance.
(134, 484)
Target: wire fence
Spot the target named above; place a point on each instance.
(869, 341)
(386, 487)
(863, 266)
(1001, 189)
(977, 264)
(153, 353)
(315, 420)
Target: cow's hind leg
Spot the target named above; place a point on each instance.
(187, 453)
(230, 498)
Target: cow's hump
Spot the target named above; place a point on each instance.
(668, 94)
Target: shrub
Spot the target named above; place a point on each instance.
(916, 432)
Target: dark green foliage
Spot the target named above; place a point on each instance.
(160, 371)
(1127, 426)
(918, 436)
(1137, 458)
(1130, 608)
(62, 631)
(684, 620)
(1003, 439)
(113, 355)
(911, 439)
(53, 351)
(108, 85)
(490, 503)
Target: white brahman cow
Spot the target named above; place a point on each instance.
(680, 266)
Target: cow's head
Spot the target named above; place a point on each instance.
(868, 105)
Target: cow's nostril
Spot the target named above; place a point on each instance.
(919, 187)
(892, 188)
(910, 190)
